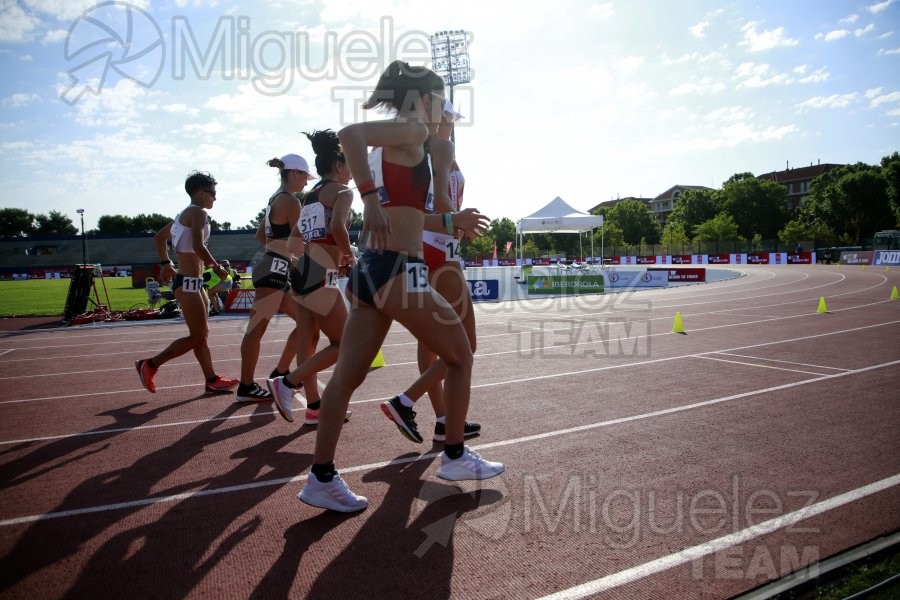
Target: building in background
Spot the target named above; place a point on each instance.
(797, 181)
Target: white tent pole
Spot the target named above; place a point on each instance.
(592, 245)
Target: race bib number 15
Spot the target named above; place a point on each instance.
(417, 278)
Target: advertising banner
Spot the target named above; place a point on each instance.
(802, 258)
(565, 284)
(484, 289)
(633, 279)
(890, 258)
(857, 257)
(684, 274)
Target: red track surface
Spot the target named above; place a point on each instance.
(640, 463)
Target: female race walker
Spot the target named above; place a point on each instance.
(322, 227)
(271, 274)
(390, 282)
(441, 247)
(189, 232)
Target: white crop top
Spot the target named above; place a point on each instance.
(181, 235)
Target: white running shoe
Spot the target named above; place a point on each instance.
(334, 495)
(283, 397)
(468, 466)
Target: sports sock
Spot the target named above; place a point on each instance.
(314, 405)
(211, 379)
(454, 451)
(441, 420)
(324, 472)
(288, 383)
(405, 401)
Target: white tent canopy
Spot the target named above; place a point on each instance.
(558, 217)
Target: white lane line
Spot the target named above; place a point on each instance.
(5, 352)
(693, 553)
(430, 456)
(757, 365)
(786, 362)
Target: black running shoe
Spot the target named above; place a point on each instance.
(469, 430)
(404, 418)
(253, 393)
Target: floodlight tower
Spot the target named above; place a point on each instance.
(450, 58)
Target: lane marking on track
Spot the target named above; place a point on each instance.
(493, 384)
(432, 455)
(5, 352)
(786, 362)
(693, 553)
(757, 365)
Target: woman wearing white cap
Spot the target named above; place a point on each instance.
(271, 274)
(446, 276)
(322, 227)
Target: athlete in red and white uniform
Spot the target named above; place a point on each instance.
(447, 278)
(390, 282)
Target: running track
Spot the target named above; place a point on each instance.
(640, 463)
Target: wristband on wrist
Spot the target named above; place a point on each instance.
(366, 188)
(163, 263)
(448, 222)
(369, 193)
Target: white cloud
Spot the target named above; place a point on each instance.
(756, 41)
(863, 31)
(816, 76)
(833, 101)
(832, 36)
(628, 64)
(883, 52)
(602, 12)
(872, 93)
(699, 30)
(885, 35)
(26, 58)
(55, 35)
(16, 26)
(880, 6)
(880, 99)
(114, 106)
(893, 113)
(706, 86)
(762, 75)
(850, 19)
(19, 100)
(729, 113)
(68, 10)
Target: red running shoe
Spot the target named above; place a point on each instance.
(147, 374)
(221, 384)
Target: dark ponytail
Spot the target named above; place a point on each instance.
(327, 148)
(401, 85)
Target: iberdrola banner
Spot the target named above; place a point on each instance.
(565, 284)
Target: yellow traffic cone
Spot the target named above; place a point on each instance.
(822, 307)
(894, 294)
(677, 326)
(378, 362)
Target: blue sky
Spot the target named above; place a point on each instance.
(584, 100)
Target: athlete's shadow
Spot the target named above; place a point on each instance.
(140, 480)
(387, 557)
(51, 456)
(192, 527)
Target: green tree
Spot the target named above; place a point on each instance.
(149, 223)
(720, 228)
(481, 246)
(797, 231)
(758, 206)
(115, 224)
(695, 207)
(609, 237)
(851, 200)
(674, 234)
(16, 222)
(502, 230)
(890, 171)
(54, 223)
(636, 221)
